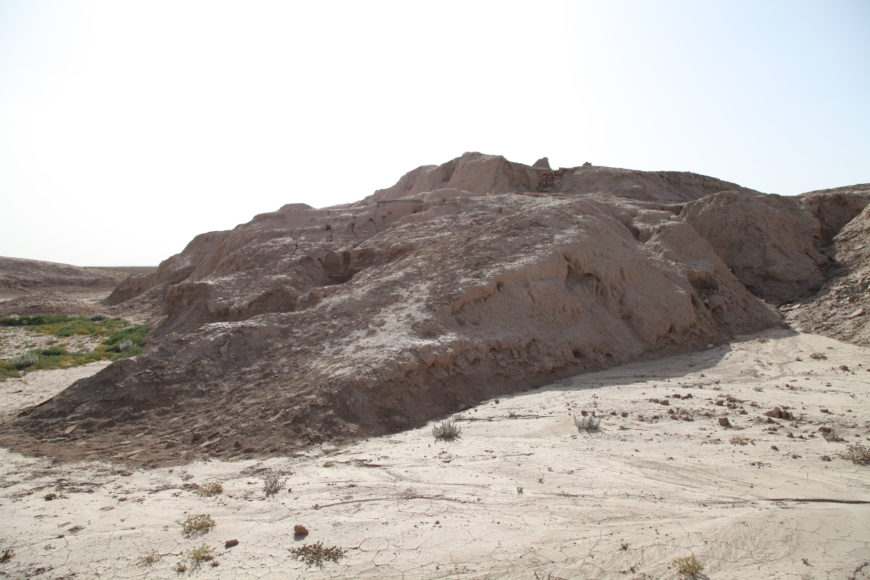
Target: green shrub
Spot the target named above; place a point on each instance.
(53, 351)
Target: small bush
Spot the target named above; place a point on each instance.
(23, 361)
(587, 423)
(317, 554)
(447, 431)
(272, 483)
(688, 566)
(124, 345)
(7, 555)
(202, 553)
(197, 525)
(100, 316)
(53, 351)
(819, 356)
(209, 489)
(857, 453)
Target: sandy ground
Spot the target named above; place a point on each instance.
(522, 493)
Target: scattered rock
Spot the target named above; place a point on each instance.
(779, 413)
(724, 422)
(300, 530)
(231, 543)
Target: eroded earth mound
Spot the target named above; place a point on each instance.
(463, 281)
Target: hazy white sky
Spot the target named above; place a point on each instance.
(126, 128)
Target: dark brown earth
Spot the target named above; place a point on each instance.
(463, 281)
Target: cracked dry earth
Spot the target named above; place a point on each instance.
(521, 494)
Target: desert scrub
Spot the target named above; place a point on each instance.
(22, 361)
(148, 558)
(688, 567)
(819, 356)
(200, 554)
(317, 554)
(857, 453)
(120, 339)
(588, 423)
(209, 489)
(6, 555)
(197, 525)
(447, 431)
(272, 483)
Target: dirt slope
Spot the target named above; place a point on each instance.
(472, 279)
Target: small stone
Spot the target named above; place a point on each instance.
(857, 313)
(778, 413)
(774, 447)
(231, 543)
(724, 422)
(300, 530)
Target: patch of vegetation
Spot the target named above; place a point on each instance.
(587, 423)
(317, 554)
(120, 340)
(272, 483)
(819, 356)
(688, 567)
(7, 555)
(209, 489)
(857, 453)
(447, 431)
(197, 525)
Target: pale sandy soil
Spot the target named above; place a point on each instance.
(522, 494)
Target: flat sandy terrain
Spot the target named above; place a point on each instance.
(521, 494)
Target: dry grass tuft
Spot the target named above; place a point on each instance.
(148, 558)
(447, 431)
(688, 567)
(857, 453)
(272, 483)
(209, 489)
(197, 525)
(317, 554)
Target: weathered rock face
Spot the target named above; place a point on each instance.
(842, 308)
(464, 281)
(771, 242)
